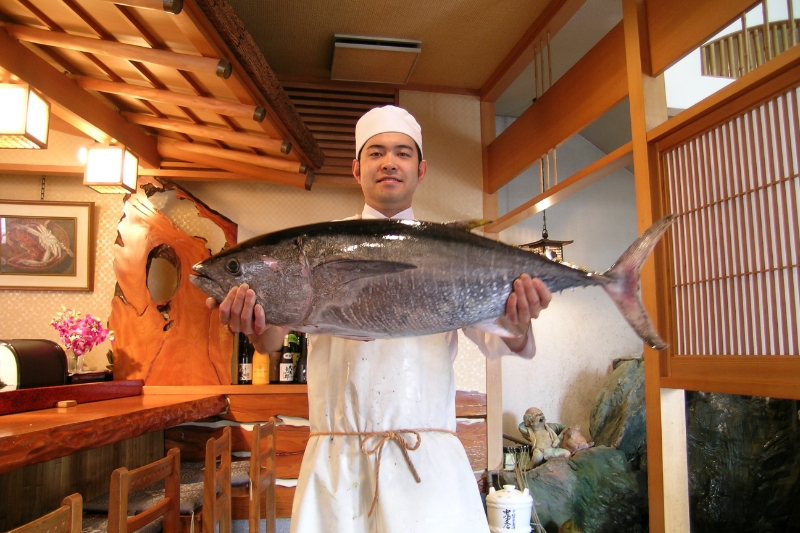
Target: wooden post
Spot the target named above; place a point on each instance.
(648, 108)
(221, 67)
(494, 367)
(220, 107)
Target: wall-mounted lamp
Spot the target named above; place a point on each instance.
(24, 117)
(110, 169)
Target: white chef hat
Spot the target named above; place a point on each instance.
(387, 119)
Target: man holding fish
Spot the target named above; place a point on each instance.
(382, 412)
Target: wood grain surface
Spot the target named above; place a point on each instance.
(22, 400)
(39, 436)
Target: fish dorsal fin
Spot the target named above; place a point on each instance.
(351, 269)
(467, 225)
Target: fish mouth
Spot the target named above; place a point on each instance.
(206, 284)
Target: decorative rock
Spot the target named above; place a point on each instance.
(618, 418)
(596, 488)
(744, 463)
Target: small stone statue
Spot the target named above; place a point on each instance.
(543, 437)
(573, 440)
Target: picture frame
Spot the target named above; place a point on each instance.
(47, 246)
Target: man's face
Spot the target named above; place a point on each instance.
(389, 171)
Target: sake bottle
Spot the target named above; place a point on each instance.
(245, 360)
(302, 363)
(286, 366)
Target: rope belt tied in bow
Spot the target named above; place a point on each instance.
(385, 436)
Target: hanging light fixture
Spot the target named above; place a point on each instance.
(24, 117)
(553, 250)
(111, 169)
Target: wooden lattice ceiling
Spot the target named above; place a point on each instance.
(189, 92)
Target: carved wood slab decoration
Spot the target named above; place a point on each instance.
(174, 342)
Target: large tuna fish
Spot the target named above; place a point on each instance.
(369, 279)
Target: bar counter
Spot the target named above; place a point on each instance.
(42, 435)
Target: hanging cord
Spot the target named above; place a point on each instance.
(41, 195)
(544, 224)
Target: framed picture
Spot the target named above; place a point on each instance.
(46, 246)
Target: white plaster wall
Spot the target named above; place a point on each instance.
(27, 314)
(582, 332)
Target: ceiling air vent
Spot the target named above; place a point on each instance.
(374, 59)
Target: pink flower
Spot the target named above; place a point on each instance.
(79, 334)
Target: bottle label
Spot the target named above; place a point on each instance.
(286, 372)
(245, 372)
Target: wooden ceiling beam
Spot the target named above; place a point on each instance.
(165, 58)
(170, 6)
(87, 109)
(594, 85)
(275, 147)
(221, 107)
(234, 155)
(170, 150)
(552, 19)
(132, 16)
(215, 23)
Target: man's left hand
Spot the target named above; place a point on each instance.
(527, 300)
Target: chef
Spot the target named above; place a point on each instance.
(383, 455)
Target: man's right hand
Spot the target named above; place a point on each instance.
(240, 312)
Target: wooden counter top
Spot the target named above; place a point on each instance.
(37, 436)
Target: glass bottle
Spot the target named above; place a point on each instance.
(302, 363)
(245, 360)
(286, 366)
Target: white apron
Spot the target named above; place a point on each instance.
(383, 385)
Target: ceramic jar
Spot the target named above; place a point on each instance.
(509, 510)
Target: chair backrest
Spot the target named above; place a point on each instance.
(65, 519)
(125, 482)
(217, 484)
(262, 476)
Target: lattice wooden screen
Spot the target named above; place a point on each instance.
(737, 241)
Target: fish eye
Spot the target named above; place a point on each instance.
(233, 267)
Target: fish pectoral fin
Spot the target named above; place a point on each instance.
(499, 326)
(468, 225)
(352, 269)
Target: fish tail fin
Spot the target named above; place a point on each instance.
(624, 289)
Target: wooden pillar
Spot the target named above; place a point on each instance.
(494, 375)
(668, 490)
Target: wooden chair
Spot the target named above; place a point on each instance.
(162, 510)
(65, 519)
(217, 484)
(262, 476)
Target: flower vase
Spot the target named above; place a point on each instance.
(74, 363)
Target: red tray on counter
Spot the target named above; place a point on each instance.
(21, 400)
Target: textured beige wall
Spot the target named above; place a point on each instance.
(27, 314)
(451, 191)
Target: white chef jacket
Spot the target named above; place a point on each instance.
(378, 386)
